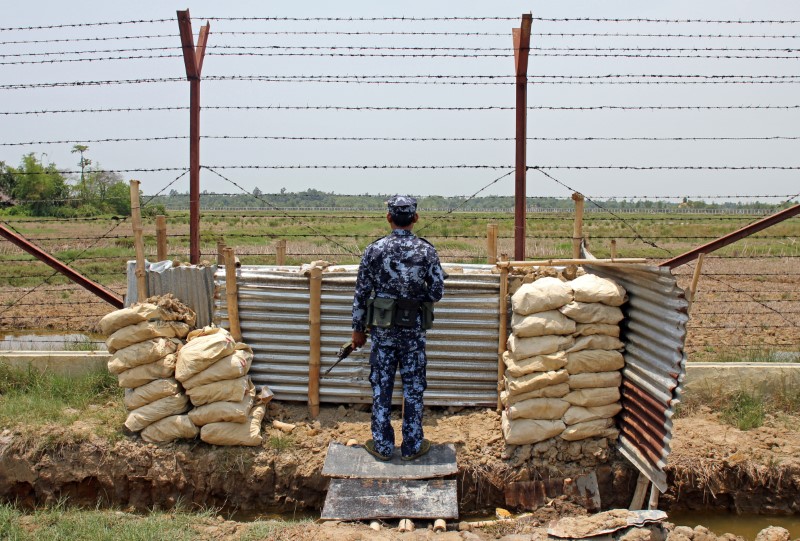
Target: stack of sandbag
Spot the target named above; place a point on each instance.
(213, 369)
(563, 361)
(144, 340)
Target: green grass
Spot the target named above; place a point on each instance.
(281, 443)
(744, 410)
(60, 522)
(80, 344)
(28, 397)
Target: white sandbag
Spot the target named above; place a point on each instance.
(594, 360)
(589, 398)
(155, 411)
(541, 324)
(538, 408)
(534, 381)
(579, 414)
(204, 347)
(554, 391)
(146, 330)
(589, 380)
(527, 431)
(230, 367)
(150, 392)
(141, 375)
(539, 363)
(247, 433)
(542, 295)
(173, 310)
(223, 412)
(588, 329)
(600, 428)
(142, 353)
(170, 429)
(592, 312)
(522, 348)
(596, 341)
(229, 390)
(592, 288)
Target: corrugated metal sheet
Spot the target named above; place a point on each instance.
(273, 312)
(193, 285)
(655, 363)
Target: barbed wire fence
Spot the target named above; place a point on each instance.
(748, 300)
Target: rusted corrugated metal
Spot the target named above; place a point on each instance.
(654, 332)
(273, 313)
(193, 285)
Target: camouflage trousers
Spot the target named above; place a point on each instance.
(384, 362)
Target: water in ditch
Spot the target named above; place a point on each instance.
(746, 526)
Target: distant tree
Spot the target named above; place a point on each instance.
(173, 193)
(38, 186)
(7, 180)
(83, 163)
(119, 198)
(96, 182)
(257, 192)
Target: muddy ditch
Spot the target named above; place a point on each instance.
(717, 467)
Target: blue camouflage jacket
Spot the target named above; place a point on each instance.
(399, 266)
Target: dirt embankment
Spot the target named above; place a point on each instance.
(712, 466)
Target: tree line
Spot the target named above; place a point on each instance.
(36, 188)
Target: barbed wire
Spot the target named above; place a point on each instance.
(402, 108)
(664, 21)
(393, 139)
(85, 25)
(96, 38)
(661, 35)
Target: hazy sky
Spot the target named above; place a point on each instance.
(231, 36)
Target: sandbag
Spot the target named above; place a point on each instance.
(166, 308)
(247, 433)
(592, 288)
(588, 329)
(229, 390)
(588, 380)
(219, 412)
(534, 381)
(600, 428)
(155, 411)
(230, 367)
(579, 414)
(592, 312)
(588, 398)
(527, 431)
(204, 347)
(594, 360)
(538, 408)
(169, 429)
(541, 324)
(542, 295)
(522, 348)
(554, 391)
(141, 375)
(142, 353)
(146, 330)
(539, 363)
(596, 341)
(150, 392)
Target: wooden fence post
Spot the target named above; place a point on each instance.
(577, 234)
(695, 279)
(231, 292)
(314, 350)
(491, 243)
(161, 237)
(613, 248)
(280, 252)
(138, 242)
(220, 252)
(501, 343)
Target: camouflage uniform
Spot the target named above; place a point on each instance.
(400, 266)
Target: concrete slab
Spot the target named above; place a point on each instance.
(363, 499)
(355, 462)
(63, 363)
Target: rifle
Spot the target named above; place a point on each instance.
(344, 352)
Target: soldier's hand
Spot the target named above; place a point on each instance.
(359, 339)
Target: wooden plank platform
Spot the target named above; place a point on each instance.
(355, 462)
(362, 499)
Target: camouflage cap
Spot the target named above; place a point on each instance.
(402, 204)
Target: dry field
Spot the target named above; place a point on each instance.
(747, 305)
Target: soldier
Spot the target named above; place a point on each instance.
(400, 277)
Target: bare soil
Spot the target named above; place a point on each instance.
(712, 466)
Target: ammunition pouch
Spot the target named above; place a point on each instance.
(386, 313)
